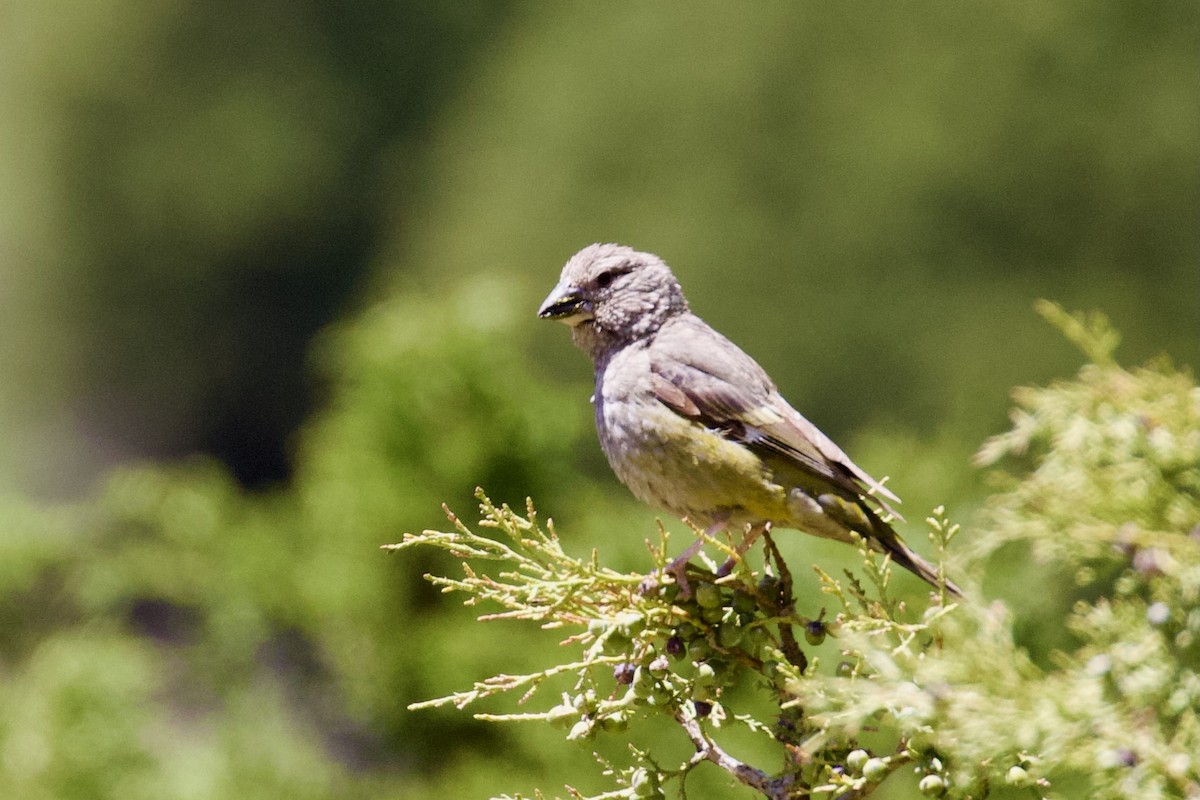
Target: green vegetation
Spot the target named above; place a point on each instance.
(268, 275)
(178, 637)
(1106, 492)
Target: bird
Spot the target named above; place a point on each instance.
(692, 425)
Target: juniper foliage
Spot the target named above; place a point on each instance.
(1100, 495)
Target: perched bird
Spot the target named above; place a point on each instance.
(693, 425)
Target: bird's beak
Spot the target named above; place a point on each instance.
(566, 304)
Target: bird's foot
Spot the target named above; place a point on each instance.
(752, 534)
(677, 569)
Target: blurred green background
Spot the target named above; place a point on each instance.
(268, 275)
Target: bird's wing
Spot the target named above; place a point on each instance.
(701, 375)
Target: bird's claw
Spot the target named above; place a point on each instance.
(677, 569)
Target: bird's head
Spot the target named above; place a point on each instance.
(611, 295)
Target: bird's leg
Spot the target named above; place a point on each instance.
(785, 606)
(678, 566)
(752, 534)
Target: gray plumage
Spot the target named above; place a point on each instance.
(693, 425)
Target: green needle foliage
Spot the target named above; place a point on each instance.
(1101, 498)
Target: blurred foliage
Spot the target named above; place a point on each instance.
(219, 643)
(187, 192)
(180, 637)
(867, 199)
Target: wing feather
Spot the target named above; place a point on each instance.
(725, 390)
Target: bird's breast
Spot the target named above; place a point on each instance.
(679, 465)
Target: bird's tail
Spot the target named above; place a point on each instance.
(859, 517)
(904, 556)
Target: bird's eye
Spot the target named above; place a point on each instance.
(605, 279)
